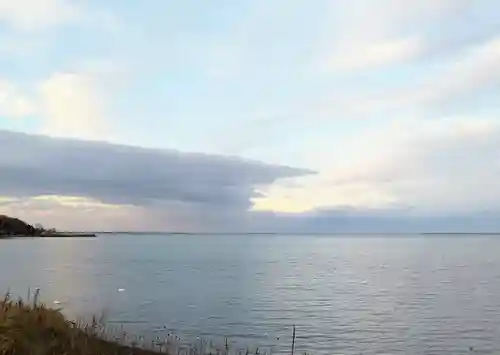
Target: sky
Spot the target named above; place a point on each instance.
(251, 115)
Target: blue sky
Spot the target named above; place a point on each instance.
(387, 107)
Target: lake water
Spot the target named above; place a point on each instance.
(346, 294)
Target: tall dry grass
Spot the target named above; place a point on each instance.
(33, 329)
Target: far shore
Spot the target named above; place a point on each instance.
(50, 235)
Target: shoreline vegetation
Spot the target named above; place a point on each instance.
(11, 227)
(31, 328)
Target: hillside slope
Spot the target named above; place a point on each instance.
(15, 226)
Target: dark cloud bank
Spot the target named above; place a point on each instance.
(38, 165)
(210, 192)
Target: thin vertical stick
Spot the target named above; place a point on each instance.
(35, 297)
(293, 340)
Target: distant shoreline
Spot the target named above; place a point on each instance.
(95, 234)
(49, 235)
(12, 228)
(461, 233)
(300, 233)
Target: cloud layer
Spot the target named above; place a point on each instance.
(437, 167)
(34, 166)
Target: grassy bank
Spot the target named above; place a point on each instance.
(32, 329)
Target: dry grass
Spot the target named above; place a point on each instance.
(33, 329)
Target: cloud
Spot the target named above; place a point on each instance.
(427, 167)
(68, 104)
(472, 71)
(411, 176)
(364, 221)
(459, 79)
(71, 105)
(79, 214)
(30, 15)
(366, 35)
(374, 55)
(363, 20)
(182, 184)
(477, 69)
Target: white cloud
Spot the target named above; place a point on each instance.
(72, 106)
(449, 165)
(367, 34)
(364, 20)
(477, 69)
(68, 104)
(13, 103)
(36, 14)
(29, 16)
(373, 55)
(472, 71)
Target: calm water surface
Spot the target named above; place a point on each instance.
(347, 295)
